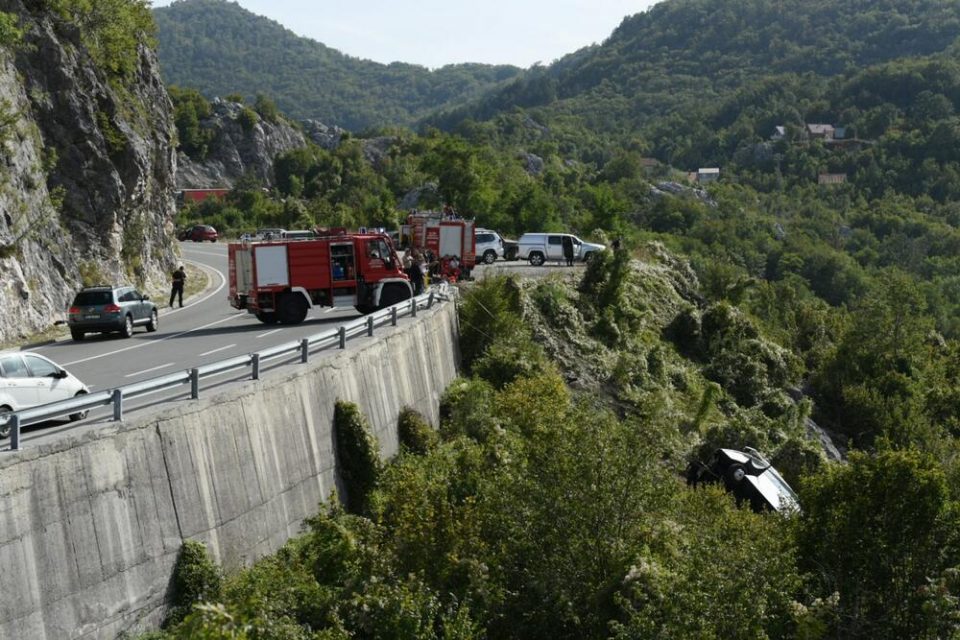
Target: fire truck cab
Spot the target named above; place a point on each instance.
(279, 281)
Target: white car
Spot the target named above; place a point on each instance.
(489, 245)
(542, 247)
(29, 379)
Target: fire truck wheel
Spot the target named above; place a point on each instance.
(293, 308)
(392, 294)
(267, 317)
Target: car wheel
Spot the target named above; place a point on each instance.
(293, 308)
(588, 257)
(127, 329)
(5, 427)
(80, 415)
(267, 317)
(489, 256)
(77, 335)
(536, 258)
(392, 294)
(734, 474)
(154, 321)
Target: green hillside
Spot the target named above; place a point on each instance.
(220, 48)
(684, 54)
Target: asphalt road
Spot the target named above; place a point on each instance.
(207, 329)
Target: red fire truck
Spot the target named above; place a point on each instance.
(280, 281)
(444, 235)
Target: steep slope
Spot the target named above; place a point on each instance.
(219, 48)
(86, 184)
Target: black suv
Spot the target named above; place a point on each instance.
(108, 309)
(748, 476)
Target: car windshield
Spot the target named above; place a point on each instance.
(93, 298)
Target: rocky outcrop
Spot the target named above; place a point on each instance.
(86, 176)
(240, 146)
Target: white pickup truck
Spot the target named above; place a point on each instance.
(541, 247)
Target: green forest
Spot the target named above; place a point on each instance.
(219, 48)
(550, 501)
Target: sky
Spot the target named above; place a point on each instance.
(434, 33)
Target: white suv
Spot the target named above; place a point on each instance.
(29, 379)
(542, 247)
(489, 245)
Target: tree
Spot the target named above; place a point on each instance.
(875, 531)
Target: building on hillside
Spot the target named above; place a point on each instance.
(185, 196)
(820, 131)
(831, 178)
(709, 174)
(779, 133)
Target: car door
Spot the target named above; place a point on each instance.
(554, 247)
(44, 375)
(142, 307)
(18, 387)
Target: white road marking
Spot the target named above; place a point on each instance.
(223, 283)
(268, 333)
(153, 342)
(140, 373)
(229, 346)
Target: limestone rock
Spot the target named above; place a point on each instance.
(86, 176)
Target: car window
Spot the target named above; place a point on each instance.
(135, 295)
(485, 237)
(557, 240)
(13, 367)
(39, 367)
(126, 295)
(92, 298)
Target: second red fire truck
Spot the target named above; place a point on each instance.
(281, 281)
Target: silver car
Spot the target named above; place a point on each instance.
(110, 309)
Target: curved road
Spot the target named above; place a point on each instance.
(206, 329)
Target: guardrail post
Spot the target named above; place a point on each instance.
(256, 366)
(304, 350)
(369, 326)
(117, 405)
(343, 337)
(14, 432)
(413, 307)
(430, 300)
(393, 315)
(195, 383)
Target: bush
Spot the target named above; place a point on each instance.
(415, 433)
(358, 456)
(466, 409)
(489, 310)
(510, 358)
(196, 579)
(248, 119)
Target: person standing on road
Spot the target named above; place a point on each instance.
(176, 290)
(568, 250)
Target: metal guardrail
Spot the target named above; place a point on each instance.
(335, 337)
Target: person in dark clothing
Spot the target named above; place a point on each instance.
(176, 291)
(568, 250)
(415, 272)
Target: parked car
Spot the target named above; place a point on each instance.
(489, 245)
(748, 476)
(108, 309)
(200, 233)
(29, 379)
(540, 247)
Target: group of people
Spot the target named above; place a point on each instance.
(421, 265)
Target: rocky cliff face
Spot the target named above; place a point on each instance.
(86, 172)
(238, 148)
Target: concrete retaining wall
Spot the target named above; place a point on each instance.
(90, 528)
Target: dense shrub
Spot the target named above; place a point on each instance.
(415, 433)
(196, 579)
(358, 456)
